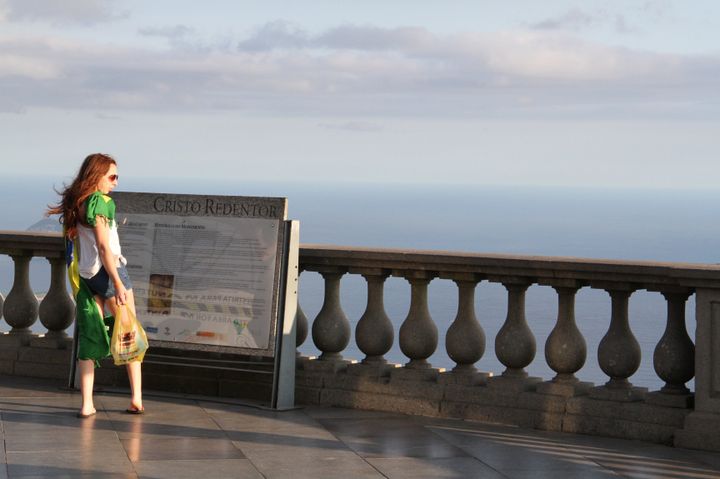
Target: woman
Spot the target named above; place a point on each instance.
(97, 271)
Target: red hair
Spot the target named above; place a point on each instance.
(74, 195)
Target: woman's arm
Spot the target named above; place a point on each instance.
(102, 237)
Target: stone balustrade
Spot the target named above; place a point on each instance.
(562, 402)
(20, 309)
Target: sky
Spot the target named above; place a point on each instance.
(555, 93)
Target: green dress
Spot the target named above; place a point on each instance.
(93, 338)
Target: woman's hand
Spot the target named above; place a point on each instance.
(120, 294)
(120, 300)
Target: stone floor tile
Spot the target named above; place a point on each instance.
(59, 423)
(49, 440)
(420, 447)
(75, 475)
(305, 462)
(143, 427)
(240, 433)
(308, 426)
(158, 406)
(660, 463)
(510, 451)
(141, 449)
(156, 423)
(289, 443)
(194, 419)
(318, 412)
(51, 463)
(395, 437)
(271, 429)
(255, 418)
(207, 469)
(395, 426)
(505, 457)
(32, 387)
(230, 405)
(574, 473)
(708, 458)
(420, 468)
(41, 404)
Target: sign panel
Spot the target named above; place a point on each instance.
(205, 269)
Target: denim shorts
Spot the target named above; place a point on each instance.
(102, 285)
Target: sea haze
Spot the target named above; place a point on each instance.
(642, 224)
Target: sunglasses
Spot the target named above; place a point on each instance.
(113, 177)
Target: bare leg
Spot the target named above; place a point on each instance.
(134, 369)
(87, 378)
(87, 375)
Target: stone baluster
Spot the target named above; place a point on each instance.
(21, 305)
(374, 331)
(565, 348)
(301, 325)
(465, 338)
(418, 333)
(57, 309)
(674, 356)
(331, 328)
(515, 343)
(301, 322)
(619, 352)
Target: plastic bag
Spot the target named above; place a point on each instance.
(128, 342)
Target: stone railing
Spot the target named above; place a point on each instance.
(563, 402)
(21, 308)
(22, 352)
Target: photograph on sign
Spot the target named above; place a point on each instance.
(205, 269)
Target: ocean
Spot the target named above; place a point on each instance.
(640, 224)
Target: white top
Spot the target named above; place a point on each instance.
(89, 261)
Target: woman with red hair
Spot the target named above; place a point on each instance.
(97, 271)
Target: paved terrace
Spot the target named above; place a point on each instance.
(203, 438)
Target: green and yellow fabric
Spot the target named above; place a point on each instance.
(93, 338)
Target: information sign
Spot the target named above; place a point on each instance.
(205, 269)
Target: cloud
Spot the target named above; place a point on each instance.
(572, 20)
(84, 12)
(177, 36)
(355, 126)
(370, 38)
(656, 9)
(27, 67)
(280, 35)
(274, 35)
(356, 71)
(106, 117)
(578, 20)
(172, 32)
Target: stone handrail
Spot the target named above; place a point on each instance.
(565, 348)
(21, 308)
(676, 358)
